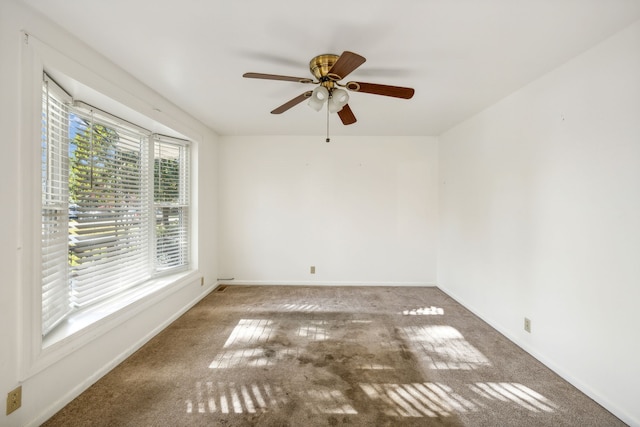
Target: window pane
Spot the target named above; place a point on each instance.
(106, 226)
(54, 157)
(108, 232)
(171, 200)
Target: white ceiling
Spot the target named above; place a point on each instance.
(459, 55)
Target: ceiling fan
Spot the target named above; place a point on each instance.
(329, 69)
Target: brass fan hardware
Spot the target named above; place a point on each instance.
(321, 64)
(354, 86)
(329, 69)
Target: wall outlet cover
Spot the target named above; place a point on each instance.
(14, 399)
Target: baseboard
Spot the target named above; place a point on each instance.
(322, 283)
(549, 363)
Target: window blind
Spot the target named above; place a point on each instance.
(171, 202)
(56, 303)
(115, 205)
(109, 232)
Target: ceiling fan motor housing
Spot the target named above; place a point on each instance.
(320, 66)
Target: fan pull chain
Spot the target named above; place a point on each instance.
(328, 139)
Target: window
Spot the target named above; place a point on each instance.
(171, 202)
(115, 205)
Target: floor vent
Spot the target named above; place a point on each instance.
(221, 288)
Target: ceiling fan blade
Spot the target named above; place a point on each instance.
(276, 77)
(346, 115)
(295, 101)
(346, 63)
(376, 89)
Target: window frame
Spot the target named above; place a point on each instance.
(39, 353)
(148, 146)
(183, 205)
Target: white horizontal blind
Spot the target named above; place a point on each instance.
(115, 205)
(55, 199)
(171, 202)
(109, 215)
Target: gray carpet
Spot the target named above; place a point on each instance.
(327, 356)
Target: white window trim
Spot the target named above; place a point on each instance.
(38, 355)
(84, 326)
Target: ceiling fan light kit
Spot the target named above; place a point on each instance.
(329, 69)
(318, 97)
(338, 99)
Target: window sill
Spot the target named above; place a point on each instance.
(97, 319)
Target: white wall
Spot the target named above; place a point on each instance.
(47, 390)
(540, 217)
(362, 210)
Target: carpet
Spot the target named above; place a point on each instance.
(331, 356)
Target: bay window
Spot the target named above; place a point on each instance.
(115, 205)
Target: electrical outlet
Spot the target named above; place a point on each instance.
(14, 399)
(202, 281)
(312, 270)
(527, 325)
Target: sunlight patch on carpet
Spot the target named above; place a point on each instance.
(444, 347)
(440, 400)
(516, 393)
(232, 398)
(417, 399)
(315, 330)
(250, 331)
(424, 311)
